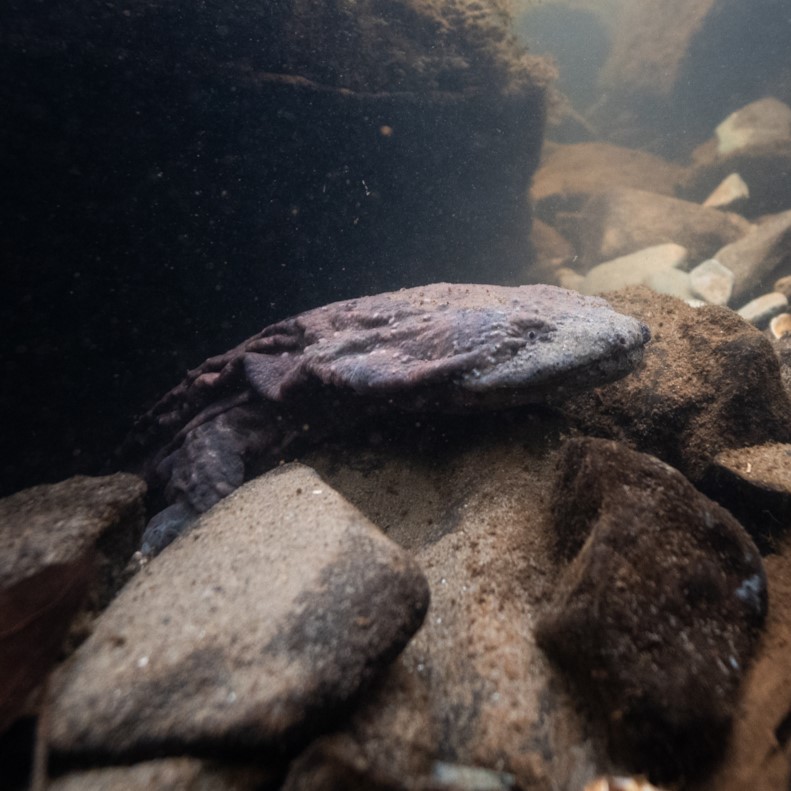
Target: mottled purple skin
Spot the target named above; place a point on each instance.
(437, 348)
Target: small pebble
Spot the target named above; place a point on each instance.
(731, 189)
(470, 778)
(712, 282)
(781, 325)
(620, 784)
(760, 310)
(783, 285)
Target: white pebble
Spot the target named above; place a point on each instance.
(760, 310)
(712, 282)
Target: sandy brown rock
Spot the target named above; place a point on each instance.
(621, 783)
(658, 613)
(758, 256)
(754, 484)
(59, 544)
(468, 497)
(708, 382)
(570, 173)
(250, 634)
(51, 523)
(780, 325)
(621, 221)
(763, 168)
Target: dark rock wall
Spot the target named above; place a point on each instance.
(178, 175)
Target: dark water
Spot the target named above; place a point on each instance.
(177, 176)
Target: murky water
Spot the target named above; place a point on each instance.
(177, 178)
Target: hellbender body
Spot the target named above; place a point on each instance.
(437, 348)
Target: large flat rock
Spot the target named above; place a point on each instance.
(571, 173)
(249, 633)
(621, 221)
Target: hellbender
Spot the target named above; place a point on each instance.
(437, 348)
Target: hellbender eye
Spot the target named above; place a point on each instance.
(531, 336)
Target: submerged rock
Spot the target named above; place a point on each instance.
(552, 254)
(620, 783)
(761, 310)
(250, 637)
(657, 614)
(754, 142)
(783, 285)
(730, 191)
(672, 282)
(754, 484)
(712, 282)
(167, 774)
(708, 382)
(780, 326)
(761, 122)
(758, 256)
(60, 545)
(570, 173)
(674, 68)
(782, 347)
(634, 269)
(622, 221)
(467, 496)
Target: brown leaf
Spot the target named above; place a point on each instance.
(35, 614)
